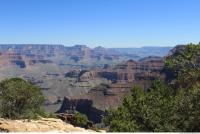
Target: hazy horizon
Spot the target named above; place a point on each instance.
(106, 23)
(88, 46)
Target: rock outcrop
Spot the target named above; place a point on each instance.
(41, 125)
(84, 106)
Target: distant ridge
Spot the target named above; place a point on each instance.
(79, 45)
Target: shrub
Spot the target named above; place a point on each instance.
(20, 99)
(80, 120)
(159, 109)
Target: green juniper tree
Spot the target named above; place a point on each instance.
(174, 106)
(20, 99)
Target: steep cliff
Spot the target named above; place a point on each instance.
(130, 71)
(122, 78)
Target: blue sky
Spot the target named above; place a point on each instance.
(109, 23)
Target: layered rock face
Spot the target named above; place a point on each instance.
(41, 53)
(122, 78)
(130, 71)
(10, 59)
(33, 49)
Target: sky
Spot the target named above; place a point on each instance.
(107, 23)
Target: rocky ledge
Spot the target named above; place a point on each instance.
(41, 125)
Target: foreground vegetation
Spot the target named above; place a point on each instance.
(80, 120)
(20, 99)
(173, 105)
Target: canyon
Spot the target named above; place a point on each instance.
(89, 80)
(121, 79)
